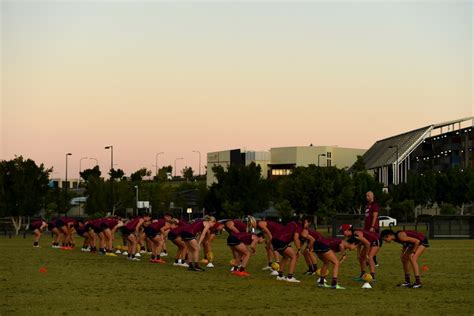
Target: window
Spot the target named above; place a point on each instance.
(281, 172)
(328, 155)
(328, 163)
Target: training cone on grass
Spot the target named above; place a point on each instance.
(42, 270)
(425, 268)
(366, 285)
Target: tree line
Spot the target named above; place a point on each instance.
(239, 190)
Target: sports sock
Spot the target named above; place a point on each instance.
(280, 274)
(373, 275)
(321, 280)
(362, 273)
(407, 278)
(315, 267)
(334, 281)
(242, 269)
(417, 279)
(289, 275)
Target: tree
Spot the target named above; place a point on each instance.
(239, 190)
(23, 188)
(187, 173)
(87, 173)
(138, 175)
(163, 172)
(359, 165)
(116, 174)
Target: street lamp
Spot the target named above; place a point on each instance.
(197, 151)
(189, 211)
(156, 162)
(111, 178)
(80, 167)
(96, 161)
(319, 155)
(111, 156)
(175, 165)
(396, 164)
(136, 197)
(67, 186)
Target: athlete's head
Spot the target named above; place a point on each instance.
(387, 235)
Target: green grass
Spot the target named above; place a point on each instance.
(84, 283)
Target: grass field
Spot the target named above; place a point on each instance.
(84, 283)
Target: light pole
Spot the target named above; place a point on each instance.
(395, 175)
(175, 165)
(197, 151)
(319, 155)
(111, 178)
(156, 162)
(136, 198)
(80, 166)
(67, 184)
(189, 211)
(96, 161)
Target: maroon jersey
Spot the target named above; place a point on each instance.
(109, 222)
(334, 244)
(158, 225)
(67, 220)
(287, 233)
(132, 225)
(274, 227)
(241, 226)
(36, 225)
(179, 227)
(95, 224)
(244, 237)
(411, 234)
(315, 234)
(193, 228)
(370, 236)
(370, 209)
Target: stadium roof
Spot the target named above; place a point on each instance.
(384, 152)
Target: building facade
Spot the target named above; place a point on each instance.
(282, 160)
(436, 147)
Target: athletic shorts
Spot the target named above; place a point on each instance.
(233, 241)
(424, 242)
(375, 243)
(172, 236)
(320, 247)
(103, 226)
(51, 226)
(187, 236)
(279, 245)
(96, 229)
(59, 223)
(150, 232)
(125, 232)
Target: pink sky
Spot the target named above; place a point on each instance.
(176, 77)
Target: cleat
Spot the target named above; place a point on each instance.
(292, 280)
(337, 287)
(267, 268)
(243, 273)
(138, 255)
(324, 286)
(177, 264)
(142, 251)
(185, 264)
(281, 278)
(274, 273)
(358, 279)
(309, 272)
(236, 272)
(198, 268)
(118, 252)
(163, 254)
(160, 261)
(404, 284)
(416, 285)
(111, 254)
(135, 259)
(37, 246)
(125, 253)
(210, 265)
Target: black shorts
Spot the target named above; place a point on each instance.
(150, 232)
(375, 243)
(279, 245)
(187, 236)
(233, 241)
(96, 230)
(320, 247)
(59, 223)
(424, 243)
(172, 235)
(103, 226)
(125, 231)
(51, 226)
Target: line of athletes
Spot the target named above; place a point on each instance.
(243, 237)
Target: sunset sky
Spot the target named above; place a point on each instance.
(173, 77)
